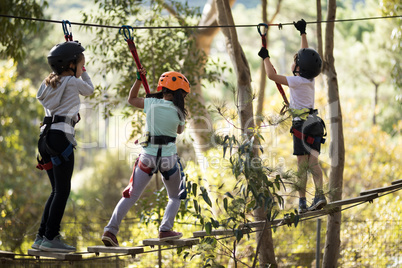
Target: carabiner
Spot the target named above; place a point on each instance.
(126, 32)
(68, 34)
(265, 29)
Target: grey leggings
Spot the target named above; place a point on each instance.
(140, 181)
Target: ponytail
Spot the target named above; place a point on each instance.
(178, 101)
(53, 80)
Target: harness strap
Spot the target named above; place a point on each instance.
(167, 174)
(183, 188)
(144, 168)
(309, 139)
(56, 160)
(161, 140)
(43, 166)
(303, 113)
(158, 160)
(48, 120)
(126, 191)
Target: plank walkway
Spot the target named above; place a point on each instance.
(394, 186)
(7, 254)
(177, 242)
(55, 255)
(116, 250)
(396, 182)
(332, 207)
(329, 208)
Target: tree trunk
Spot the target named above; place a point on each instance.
(201, 123)
(337, 147)
(263, 74)
(245, 106)
(319, 28)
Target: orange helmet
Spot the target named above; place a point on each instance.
(173, 81)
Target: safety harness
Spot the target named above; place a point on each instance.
(56, 157)
(160, 141)
(311, 118)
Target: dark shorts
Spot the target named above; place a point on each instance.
(301, 147)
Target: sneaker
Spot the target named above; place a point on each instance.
(38, 241)
(319, 202)
(302, 205)
(169, 235)
(55, 245)
(109, 239)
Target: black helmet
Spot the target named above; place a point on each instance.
(62, 54)
(309, 62)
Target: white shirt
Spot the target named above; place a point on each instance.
(302, 92)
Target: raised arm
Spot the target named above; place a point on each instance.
(269, 68)
(133, 98)
(304, 43)
(301, 27)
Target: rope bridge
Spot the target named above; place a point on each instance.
(330, 208)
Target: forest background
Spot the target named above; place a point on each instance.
(366, 57)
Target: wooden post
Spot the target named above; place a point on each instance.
(318, 245)
(159, 256)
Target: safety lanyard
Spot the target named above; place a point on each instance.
(129, 39)
(68, 33)
(264, 44)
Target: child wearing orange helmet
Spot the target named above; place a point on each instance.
(165, 118)
(307, 127)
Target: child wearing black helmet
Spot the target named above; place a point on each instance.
(60, 94)
(307, 127)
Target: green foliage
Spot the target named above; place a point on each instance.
(253, 186)
(21, 183)
(157, 50)
(379, 58)
(16, 33)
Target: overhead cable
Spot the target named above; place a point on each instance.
(195, 26)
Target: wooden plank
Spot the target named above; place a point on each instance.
(125, 250)
(315, 213)
(364, 198)
(257, 224)
(56, 255)
(176, 242)
(7, 254)
(396, 182)
(382, 189)
(213, 233)
(278, 222)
